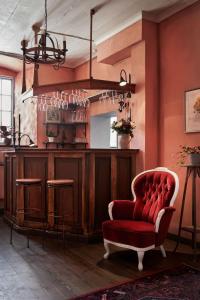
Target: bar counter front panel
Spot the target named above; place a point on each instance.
(99, 175)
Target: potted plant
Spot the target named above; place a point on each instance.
(5, 135)
(124, 129)
(190, 152)
(51, 136)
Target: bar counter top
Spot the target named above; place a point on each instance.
(99, 176)
(35, 149)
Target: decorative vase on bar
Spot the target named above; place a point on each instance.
(124, 141)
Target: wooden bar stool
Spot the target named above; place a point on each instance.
(27, 182)
(58, 184)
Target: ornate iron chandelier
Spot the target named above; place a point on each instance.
(46, 48)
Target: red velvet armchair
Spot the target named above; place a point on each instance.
(142, 224)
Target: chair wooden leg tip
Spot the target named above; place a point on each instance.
(140, 267)
(106, 255)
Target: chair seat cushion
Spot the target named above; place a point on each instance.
(138, 234)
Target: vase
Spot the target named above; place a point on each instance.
(124, 141)
(194, 159)
(51, 139)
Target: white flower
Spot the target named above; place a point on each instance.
(118, 124)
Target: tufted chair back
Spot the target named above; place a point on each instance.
(152, 191)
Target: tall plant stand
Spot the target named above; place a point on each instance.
(194, 172)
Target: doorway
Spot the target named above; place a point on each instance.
(101, 134)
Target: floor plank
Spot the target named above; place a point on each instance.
(55, 274)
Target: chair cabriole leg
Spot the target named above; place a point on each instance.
(140, 259)
(163, 251)
(106, 246)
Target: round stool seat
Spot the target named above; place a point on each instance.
(59, 182)
(28, 181)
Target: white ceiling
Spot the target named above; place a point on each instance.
(72, 17)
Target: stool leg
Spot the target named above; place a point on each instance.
(11, 234)
(44, 235)
(43, 221)
(63, 231)
(57, 228)
(28, 203)
(28, 244)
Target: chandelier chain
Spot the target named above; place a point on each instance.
(45, 15)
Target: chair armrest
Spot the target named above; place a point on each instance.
(162, 222)
(163, 217)
(121, 209)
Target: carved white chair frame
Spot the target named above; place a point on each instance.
(141, 251)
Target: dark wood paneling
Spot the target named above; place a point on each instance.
(124, 177)
(69, 199)
(35, 197)
(2, 178)
(7, 186)
(102, 189)
(13, 190)
(99, 177)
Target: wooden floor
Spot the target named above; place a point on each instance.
(55, 274)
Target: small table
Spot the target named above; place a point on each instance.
(194, 171)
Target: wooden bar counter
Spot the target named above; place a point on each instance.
(100, 175)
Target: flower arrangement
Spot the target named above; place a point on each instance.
(124, 127)
(51, 134)
(185, 151)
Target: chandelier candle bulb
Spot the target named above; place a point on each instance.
(64, 43)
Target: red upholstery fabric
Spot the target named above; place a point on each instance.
(164, 225)
(135, 233)
(153, 191)
(123, 209)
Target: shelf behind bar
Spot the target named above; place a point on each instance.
(65, 143)
(67, 123)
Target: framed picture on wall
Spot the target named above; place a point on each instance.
(192, 111)
(53, 115)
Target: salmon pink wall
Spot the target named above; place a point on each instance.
(179, 71)
(107, 72)
(135, 65)
(118, 47)
(142, 64)
(150, 36)
(7, 72)
(47, 74)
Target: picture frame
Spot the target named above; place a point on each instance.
(53, 115)
(192, 110)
